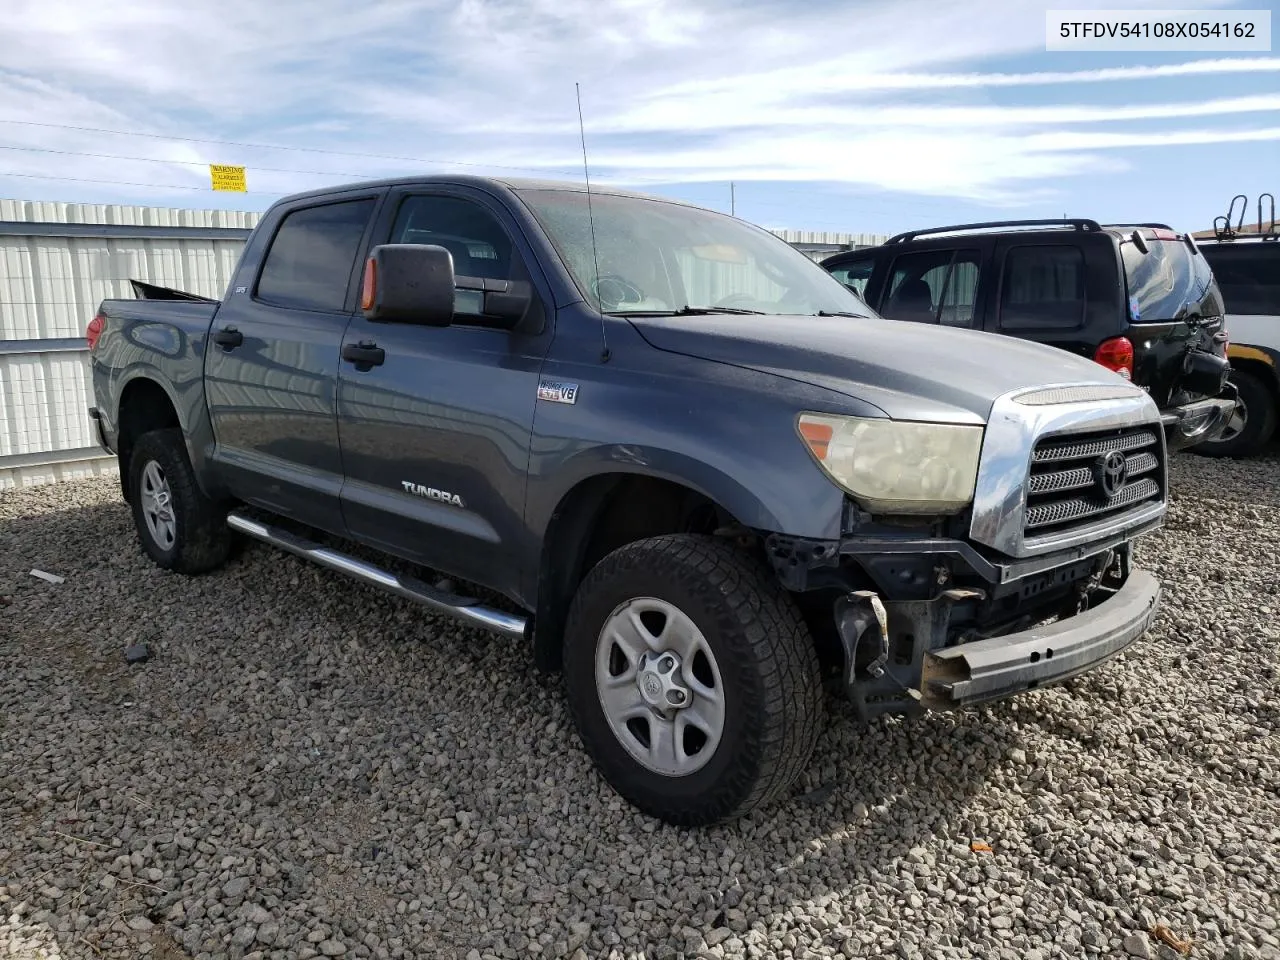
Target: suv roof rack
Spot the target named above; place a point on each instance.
(1222, 227)
(1225, 231)
(1271, 233)
(1078, 224)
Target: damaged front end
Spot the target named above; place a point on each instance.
(966, 646)
(1032, 586)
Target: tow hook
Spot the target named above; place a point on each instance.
(1086, 587)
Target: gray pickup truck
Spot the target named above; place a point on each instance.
(689, 466)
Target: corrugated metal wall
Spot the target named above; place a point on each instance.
(58, 261)
(818, 244)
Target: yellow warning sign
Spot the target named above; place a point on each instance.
(227, 178)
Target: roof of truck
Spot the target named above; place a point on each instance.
(515, 184)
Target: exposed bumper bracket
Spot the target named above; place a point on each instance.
(970, 673)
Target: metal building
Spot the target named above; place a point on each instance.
(818, 245)
(58, 261)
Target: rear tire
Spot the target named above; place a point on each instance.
(1250, 429)
(711, 678)
(179, 528)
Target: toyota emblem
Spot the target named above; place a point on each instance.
(1111, 473)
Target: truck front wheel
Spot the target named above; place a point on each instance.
(179, 527)
(692, 679)
(1252, 424)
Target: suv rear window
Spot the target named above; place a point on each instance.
(1168, 280)
(1248, 275)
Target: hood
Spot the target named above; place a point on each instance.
(911, 371)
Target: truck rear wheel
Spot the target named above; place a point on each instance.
(179, 527)
(1251, 426)
(692, 679)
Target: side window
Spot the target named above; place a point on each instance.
(309, 263)
(855, 274)
(1249, 278)
(934, 286)
(1043, 288)
(959, 296)
(479, 245)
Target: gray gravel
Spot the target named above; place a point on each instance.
(306, 768)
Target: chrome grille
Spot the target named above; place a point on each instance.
(1066, 489)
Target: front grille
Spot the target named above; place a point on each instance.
(1070, 486)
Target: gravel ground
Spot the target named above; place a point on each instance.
(305, 767)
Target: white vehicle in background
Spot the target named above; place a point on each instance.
(1246, 264)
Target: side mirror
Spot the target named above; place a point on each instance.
(505, 300)
(409, 283)
(415, 283)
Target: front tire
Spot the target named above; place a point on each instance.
(693, 681)
(1251, 426)
(179, 528)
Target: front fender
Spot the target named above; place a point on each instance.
(616, 460)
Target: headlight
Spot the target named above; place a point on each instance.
(893, 466)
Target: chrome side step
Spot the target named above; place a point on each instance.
(465, 609)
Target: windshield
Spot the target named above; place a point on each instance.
(667, 258)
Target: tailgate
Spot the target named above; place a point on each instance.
(1175, 309)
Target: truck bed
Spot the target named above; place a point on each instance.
(155, 342)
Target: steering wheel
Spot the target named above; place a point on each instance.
(612, 290)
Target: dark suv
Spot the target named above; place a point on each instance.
(1139, 299)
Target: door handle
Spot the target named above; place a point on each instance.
(228, 337)
(366, 353)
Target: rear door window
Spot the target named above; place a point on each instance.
(1248, 275)
(934, 286)
(1042, 287)
(956, 308)
(312, 256)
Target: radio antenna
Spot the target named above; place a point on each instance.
(591, 221)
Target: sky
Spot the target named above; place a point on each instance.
(865, 116)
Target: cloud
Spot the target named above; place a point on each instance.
(874, 94)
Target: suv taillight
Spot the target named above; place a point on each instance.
(1116, 354)
(94, 330)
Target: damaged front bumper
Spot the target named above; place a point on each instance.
(989, 669)
(951, 650)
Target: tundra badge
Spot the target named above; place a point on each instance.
(557, 391)
(431, 493)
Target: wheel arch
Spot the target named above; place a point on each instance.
(1258, 362)
(145, 405)
(601, 513)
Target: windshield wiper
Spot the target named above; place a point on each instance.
(682, 312)
(841, 313)
(703, 311)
